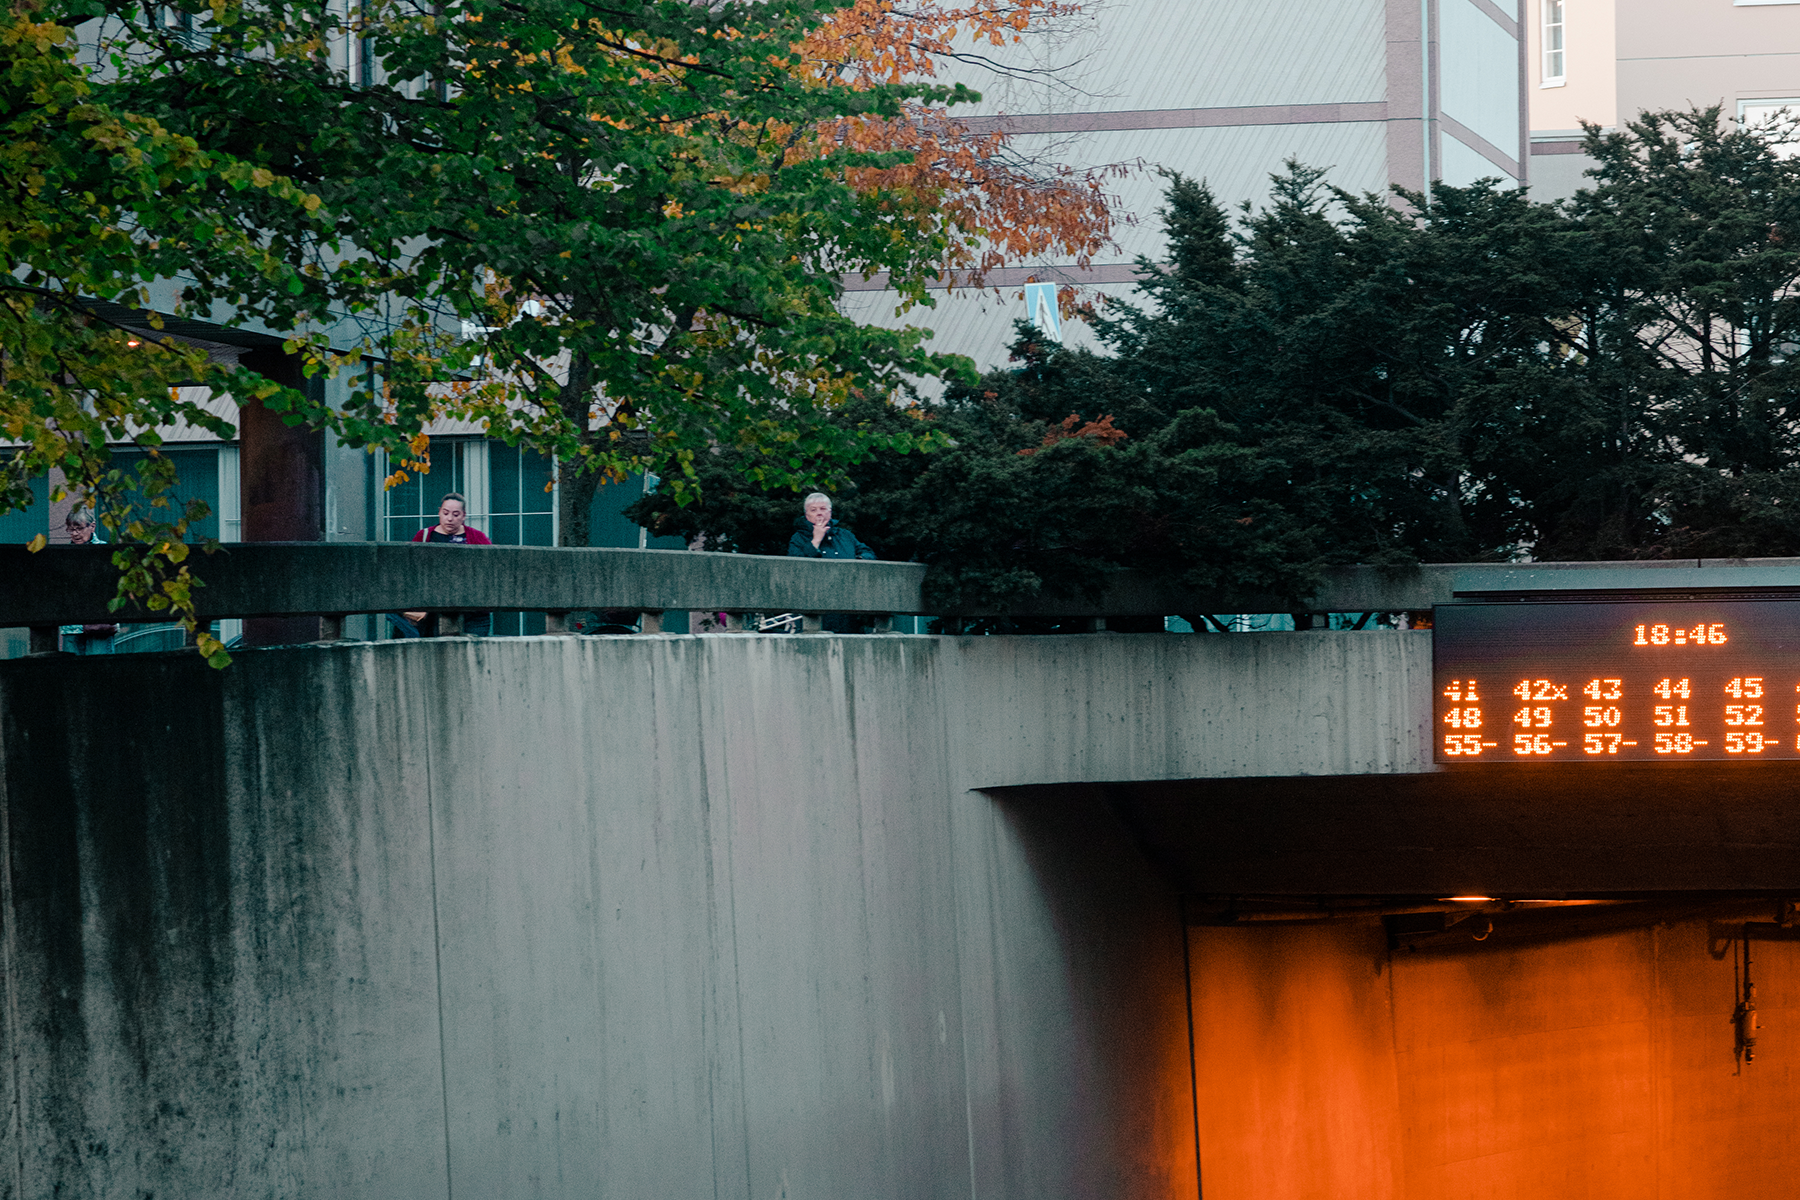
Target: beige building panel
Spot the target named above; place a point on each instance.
(1676, 53)
(1700, 82)
(1590, 88)
(1686, 29)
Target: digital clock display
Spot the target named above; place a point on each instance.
(1637, 681)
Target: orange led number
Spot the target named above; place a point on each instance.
(1681, 635)
(1456, 691)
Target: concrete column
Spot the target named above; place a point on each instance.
(281, 473)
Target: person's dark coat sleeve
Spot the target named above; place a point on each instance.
(838, 543)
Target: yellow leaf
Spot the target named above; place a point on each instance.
(37, 543)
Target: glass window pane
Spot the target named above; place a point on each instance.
(412, 505)
(503, 481)
(535, 475)
(23, 524)
(196, 478)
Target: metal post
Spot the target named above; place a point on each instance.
(450, 624)
(557, 623)
(812, 623)
(650, 620)
(331, 627)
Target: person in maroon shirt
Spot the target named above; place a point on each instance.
(452, 528)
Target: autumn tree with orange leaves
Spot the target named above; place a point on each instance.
(967, 177)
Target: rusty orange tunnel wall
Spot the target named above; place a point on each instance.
(1593, 1069)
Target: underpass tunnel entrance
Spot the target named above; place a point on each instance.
(1580, 1051)
(1484, 984)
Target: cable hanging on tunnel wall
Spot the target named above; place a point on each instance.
(1743, 1018)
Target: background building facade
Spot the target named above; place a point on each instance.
(1605, 61)
(1377, 92)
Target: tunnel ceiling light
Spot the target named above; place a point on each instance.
(1466, 899)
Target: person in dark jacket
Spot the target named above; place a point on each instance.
(816, 535)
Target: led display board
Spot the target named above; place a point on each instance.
(1617, 681)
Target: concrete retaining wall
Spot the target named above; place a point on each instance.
(627, 916)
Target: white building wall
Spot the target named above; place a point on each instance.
(1226, 91)
(1460, 166)
(1480, 73)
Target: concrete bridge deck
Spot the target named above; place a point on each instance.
(761, 915)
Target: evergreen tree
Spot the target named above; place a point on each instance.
(1333, 379)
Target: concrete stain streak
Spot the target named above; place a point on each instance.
(564, 917)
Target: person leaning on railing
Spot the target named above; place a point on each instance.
(451, 529)
(816, 535)
(86, 639)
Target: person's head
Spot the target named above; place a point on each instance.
(453, 510)
(80, 525)
(817, 508)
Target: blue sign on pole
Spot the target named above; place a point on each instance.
(1041, 309)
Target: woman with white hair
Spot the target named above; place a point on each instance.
(83, 530)
(816, 535)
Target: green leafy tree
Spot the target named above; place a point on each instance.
(96, 203)
(626, 209)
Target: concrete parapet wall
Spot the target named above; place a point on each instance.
(67, 584)
(627, 916)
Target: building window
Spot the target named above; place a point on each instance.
(521, 508)
(503, 487)
(1776, 118)
(412, 505)
(1553, 43)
